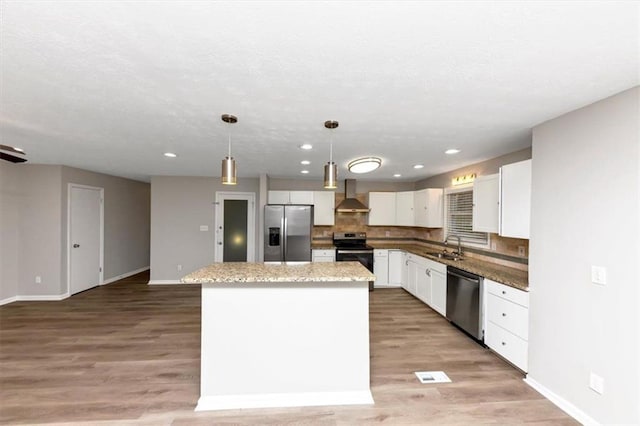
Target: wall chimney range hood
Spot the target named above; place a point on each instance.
(350, 204)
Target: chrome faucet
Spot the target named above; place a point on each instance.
(459, 252)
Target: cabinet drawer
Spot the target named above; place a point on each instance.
(513, 294)
(317, 252)
(381, 253)
(509, 346)
(508, 315)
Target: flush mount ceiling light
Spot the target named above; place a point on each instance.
(229, 164)
(418, 166)
(331, 169)
(452, 151)
(306, 146)
(170, 154)
(364, 165)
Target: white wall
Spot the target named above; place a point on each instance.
(9, 230)
(585, 212)
(179, 205)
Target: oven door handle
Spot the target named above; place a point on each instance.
(355, 252)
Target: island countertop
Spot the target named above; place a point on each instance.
(278, 272)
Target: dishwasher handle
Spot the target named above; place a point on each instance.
(464, 277)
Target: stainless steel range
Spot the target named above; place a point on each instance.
(352, 247)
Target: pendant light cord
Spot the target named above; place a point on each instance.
(229, 134)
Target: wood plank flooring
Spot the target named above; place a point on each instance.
(129, 353)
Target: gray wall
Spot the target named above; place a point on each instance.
(33, 226)
(179, 205)
(585, 211)
(480, 169)
(127, 220)
(30, 228)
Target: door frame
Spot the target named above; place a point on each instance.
(70, 187)
(250, 197)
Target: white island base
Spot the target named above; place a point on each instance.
(284, 344)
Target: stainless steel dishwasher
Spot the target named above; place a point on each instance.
(464, 301)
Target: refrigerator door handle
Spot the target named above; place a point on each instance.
(283, 240)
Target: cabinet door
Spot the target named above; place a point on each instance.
(486, 206)
(404, 209)
(324, 204)
(301, 197)
(515, 199)
(412, 277)
(278, 197)
(382, 207)
(420, 207)
(396, 265)
(423, 284)
(322, 255)
(435, 208)
(381, 267)
(404, 282)
(439, 292)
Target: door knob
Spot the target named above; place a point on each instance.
(219, 243)
(76, 245)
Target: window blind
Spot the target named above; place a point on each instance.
(460, 218)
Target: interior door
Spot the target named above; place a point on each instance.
(85, 218)
(235, 231)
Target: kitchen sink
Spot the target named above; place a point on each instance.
(445, 255)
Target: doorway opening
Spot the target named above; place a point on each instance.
(235, 227)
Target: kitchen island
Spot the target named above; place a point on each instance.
(283, 334)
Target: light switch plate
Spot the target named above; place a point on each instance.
(596, 383)
(204, 227)
(598, 275)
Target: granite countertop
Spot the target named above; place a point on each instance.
(277, 272)
(503, 274)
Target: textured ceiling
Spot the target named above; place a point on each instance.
(110, 86)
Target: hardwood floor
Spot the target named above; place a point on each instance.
(128, 353)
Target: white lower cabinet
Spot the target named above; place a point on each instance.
(323, 255)
(507, 322)
(437, 273)
(396, 265)
(427, 280)
(381, 267)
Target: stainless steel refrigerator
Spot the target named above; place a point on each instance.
(287, 233)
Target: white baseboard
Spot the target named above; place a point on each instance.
(125, 275)
(562, 403)
(386, 285)
(164, 282)
(35, 298)
(8, 300)
(307, 399)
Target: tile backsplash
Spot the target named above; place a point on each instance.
(357, 222)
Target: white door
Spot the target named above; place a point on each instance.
(85, 238)
(235, 227)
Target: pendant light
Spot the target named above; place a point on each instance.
(331, 169)
(229, 164)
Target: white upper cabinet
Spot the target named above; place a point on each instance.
(382, 207)
(324, 203)
(290, 197)
(429, 208)
(486, 203)
(515, 199)
(404, 208)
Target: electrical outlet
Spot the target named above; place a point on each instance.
(494, 246)
(204, 228)
(521, 251)
(38, 279)
(598, 275)
(179, 267)
(387, 233)
(596, 383)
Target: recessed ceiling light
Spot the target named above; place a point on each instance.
(170, 155)
(304, 172)
(306, 146)
(452, 151)
(305, 162)
(397, 175)
(418, 166)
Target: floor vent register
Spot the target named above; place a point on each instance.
(432, 377)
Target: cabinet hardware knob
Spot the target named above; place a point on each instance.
(504, 344)
(504, 315)
(504, 292)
